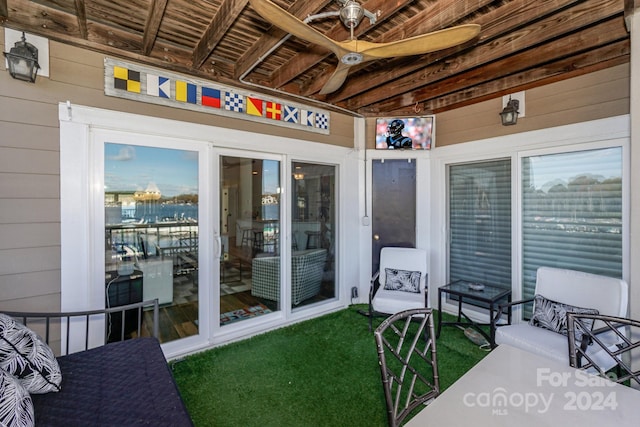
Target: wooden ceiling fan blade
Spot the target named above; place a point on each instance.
(336, 80)
(421, 44)
(289, 23)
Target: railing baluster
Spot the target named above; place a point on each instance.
(68, 322)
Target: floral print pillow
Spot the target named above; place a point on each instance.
(552, 315)
(402, 280)
(27, 357)
(16, 406)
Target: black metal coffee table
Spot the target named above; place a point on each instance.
(489, 297)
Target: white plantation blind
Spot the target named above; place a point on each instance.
(480, 222)
(572, 213)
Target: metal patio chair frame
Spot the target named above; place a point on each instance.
(619, 338)
(407, 337)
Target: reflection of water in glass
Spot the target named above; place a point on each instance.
(159, 212)
(270, 211)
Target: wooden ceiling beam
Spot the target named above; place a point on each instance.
(630, 8)
(42, 20)
(272, 37)
(520, 69)
(563, 69)
(4, 11)
(152, 25)
(555, 27)
(223, 19)
(81, 14)
(522, 44)
(501, 22)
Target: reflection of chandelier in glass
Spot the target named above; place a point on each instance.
(152, 192)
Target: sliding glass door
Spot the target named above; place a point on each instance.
(151, 237)
(249, 237)
(313, 233)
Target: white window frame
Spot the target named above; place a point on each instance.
(82, 208)
(602, 133)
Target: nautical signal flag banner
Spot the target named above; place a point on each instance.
(158, 86)
(126, 79)
(291, 114)
(254, 106)
(322, 121)
(155, 86)
(274, 110)
(233, 102)
(186, 92)
(210, 97)
(307, 117)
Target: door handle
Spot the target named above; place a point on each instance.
(218, 252)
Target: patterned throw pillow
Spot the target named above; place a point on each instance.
(27, 357)
(402, 280)
(552, 315)
(16, 407)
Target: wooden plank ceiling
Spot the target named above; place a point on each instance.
(522, 44)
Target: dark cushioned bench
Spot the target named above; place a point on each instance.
(126, 383)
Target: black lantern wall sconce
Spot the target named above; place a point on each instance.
(22, 60)
(509, 114)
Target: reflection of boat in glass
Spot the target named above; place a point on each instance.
(134, 221)
(123, 252)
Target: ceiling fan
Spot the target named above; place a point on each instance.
(352, 52)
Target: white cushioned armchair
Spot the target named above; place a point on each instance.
(406, 289)
(582, 291)
(307, 268)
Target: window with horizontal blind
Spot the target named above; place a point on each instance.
(572, 213)
(480, 222)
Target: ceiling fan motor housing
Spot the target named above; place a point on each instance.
(351, 14)
(352, 58)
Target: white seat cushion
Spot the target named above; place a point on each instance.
(588, 291)
(535, 340)
(547, 343)
(390, 302)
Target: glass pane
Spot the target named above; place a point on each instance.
(151, 236)
(393, 206)
(250, 224)
(572, 213)
(480, 222)
(313, 201)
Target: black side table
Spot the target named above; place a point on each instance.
(488, 297)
